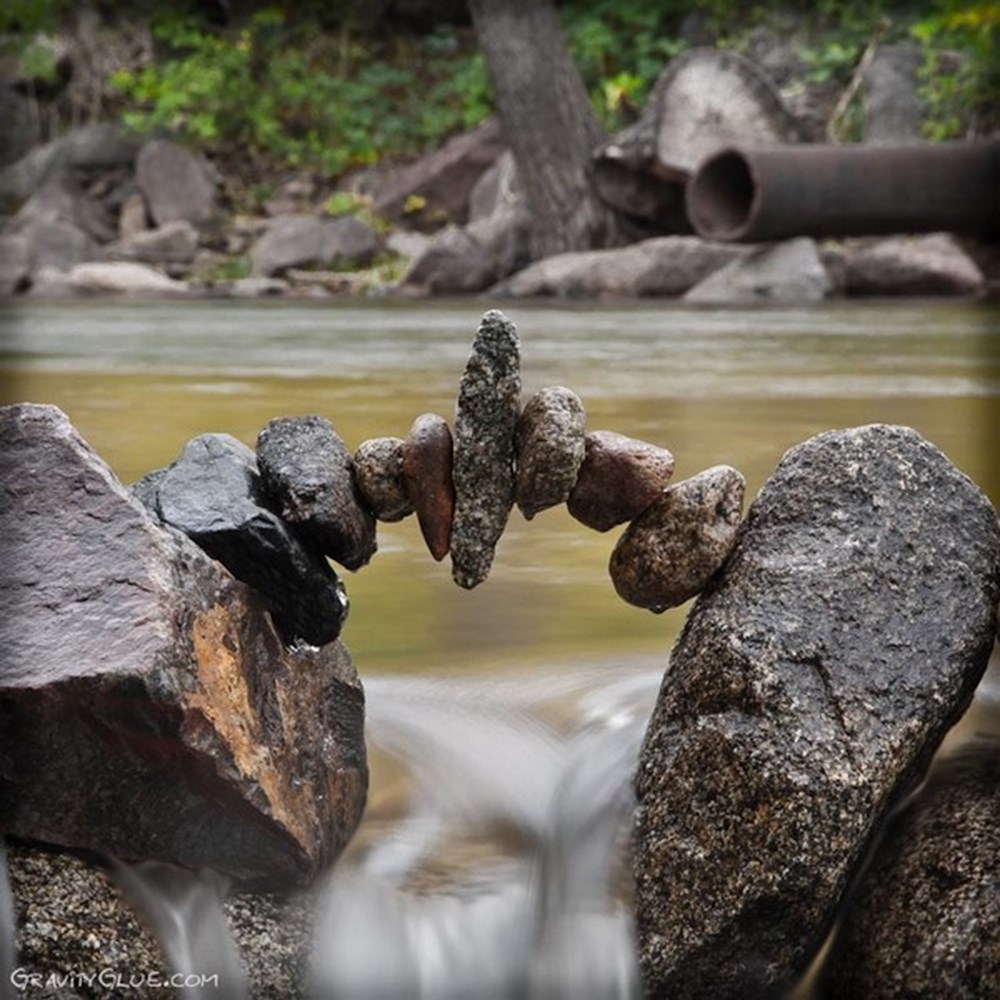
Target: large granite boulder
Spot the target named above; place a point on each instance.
(293, 241)
(148, 708)
(926, 918)
(813, 680)
(176, 184)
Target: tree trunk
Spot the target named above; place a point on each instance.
(548, 122)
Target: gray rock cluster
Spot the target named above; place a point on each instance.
(462, 484)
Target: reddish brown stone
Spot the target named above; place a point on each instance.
(620, 477)
(427, 461)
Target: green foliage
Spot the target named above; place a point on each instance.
(962, 93)
(293, 95)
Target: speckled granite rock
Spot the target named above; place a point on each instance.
(550, 449)
(378, 466)
(308, 479)
(813, 680)
(619, 478)
(926, 918)
(672, 549)
(483, 471)
(427, 469)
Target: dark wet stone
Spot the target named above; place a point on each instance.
(485, 422)
(550, 449)
(813, 680)
(211, 494)
(308, 478)
(925, 921)
(675, 546)
(378, 470)
(148, 708)
(427, 469)
(619, 478)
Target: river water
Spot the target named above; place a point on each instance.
(503, 722)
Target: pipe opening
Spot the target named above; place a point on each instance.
(720, 197)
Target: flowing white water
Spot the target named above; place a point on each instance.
(550, 759)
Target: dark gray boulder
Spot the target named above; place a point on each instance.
(148, 708)
(925, 921)
(483, 465)
(308, 478)
(213, 494)
(813, 680)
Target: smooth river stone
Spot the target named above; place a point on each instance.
(378, 467)
(485, 424)
(550, 449)
(427, 471)
(676, 545)
(308, 479)
(813, 680)
(619, 478)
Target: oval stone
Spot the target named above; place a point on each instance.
(619, 478)
(550, 449)
(669, 553)
(378, 466)
(427, 470)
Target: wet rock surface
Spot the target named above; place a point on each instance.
(428, 454)
(619, 478)
(672, 549)
(483, 471)
(148, 709)
(926, 919)
(378, 467)
(307, 475)
(213, 494)
(812, 682)
(550, 449)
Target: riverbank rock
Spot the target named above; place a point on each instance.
(812, 682)
(307, 475)
(550, 449)
(175, 183)
(122, 278)
(298, 241)
(619, 478)
(173, 243)
(428, 459)
(378, 466)
(483, 465)
(667, 266)
(934, 264)
(212, 493)
(894, 109)
(148, 709)
(791, 271)
(675, 546)
(926, 918)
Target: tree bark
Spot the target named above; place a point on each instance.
(548, 122)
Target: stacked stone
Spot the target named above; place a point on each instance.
(274, 518)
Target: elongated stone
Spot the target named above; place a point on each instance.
(619, 478)
(485, 422)
(550, 449)
(676, 545)
(378, 467)
(814, 678)
(427, 470)
(308, 478)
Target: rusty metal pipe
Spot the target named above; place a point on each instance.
(752, 194)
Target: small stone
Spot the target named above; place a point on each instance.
(485, 422)
(427, 469)
(211, 494)
(669, 553)
(378, 468)
(550, 449)
(308, 478)
(620, 477)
